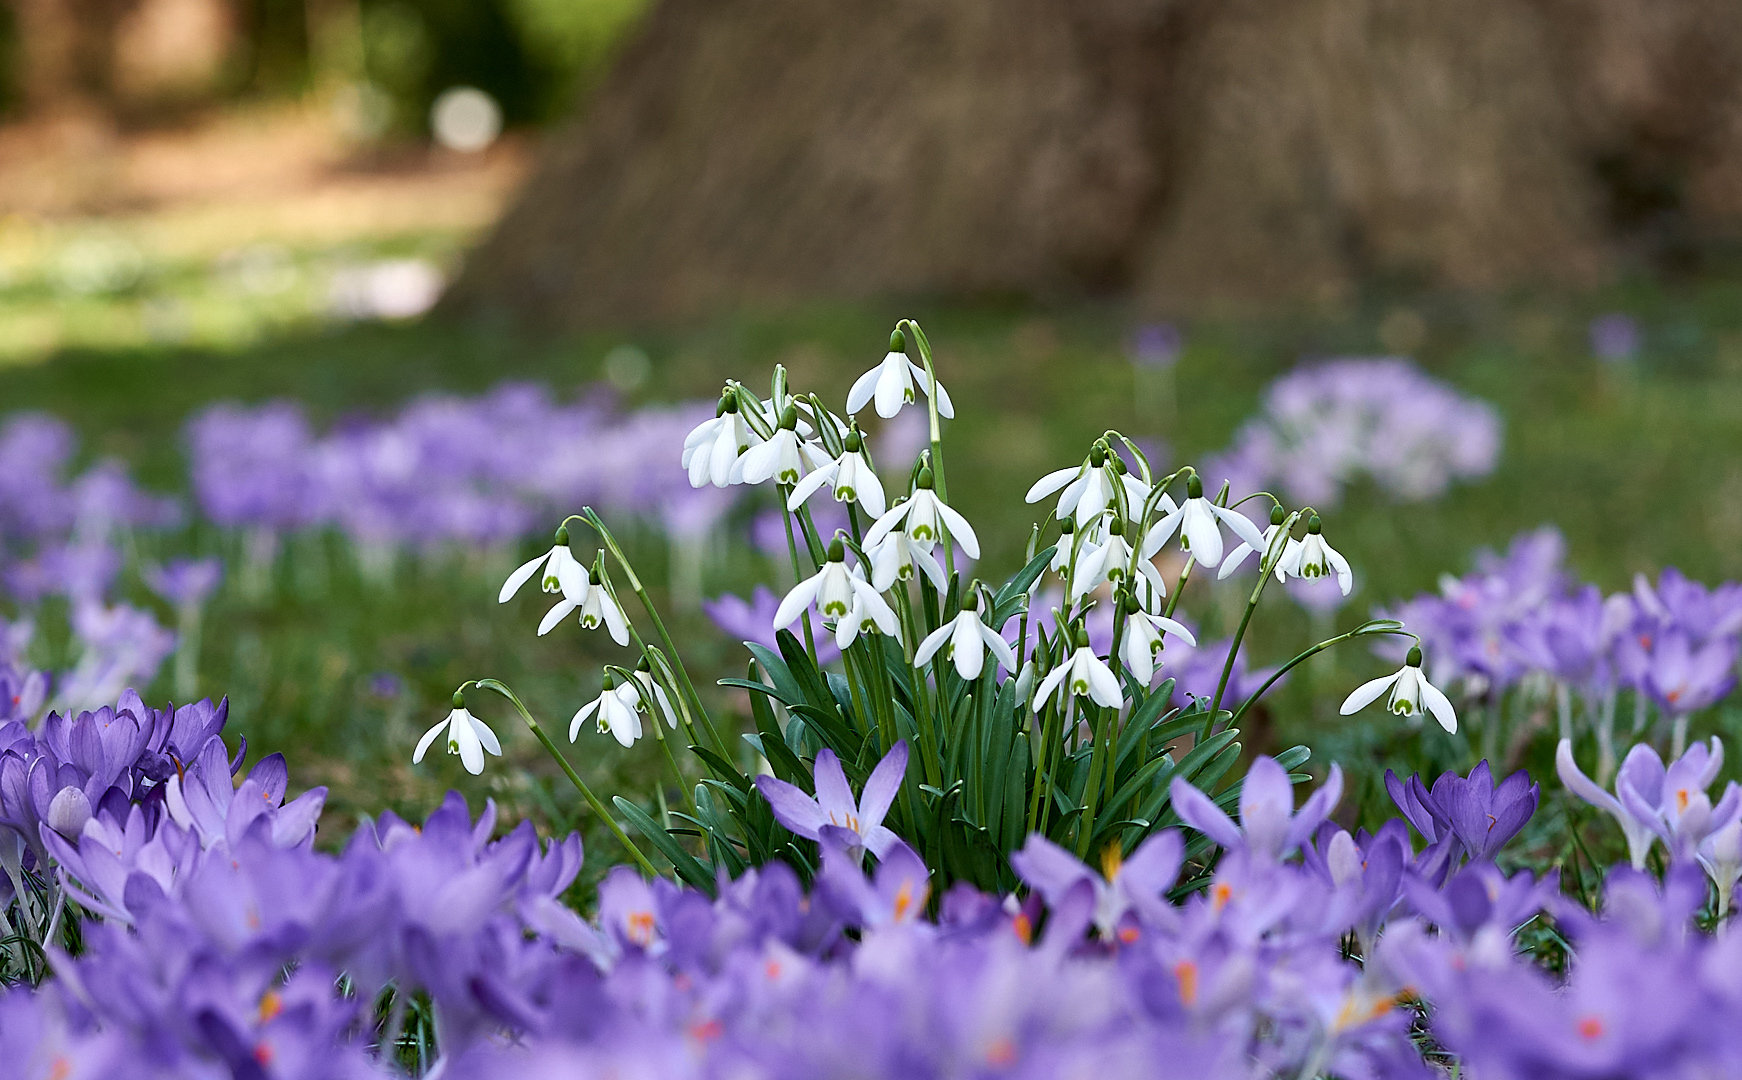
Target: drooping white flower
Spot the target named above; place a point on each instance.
(1083, 674)
(851, 477)
(870, 613)
(1141, 646)
(651, 689)
(713, 447)
(1411, 694)
(1087, 489)
(555, 561)
(467, 736)
(891, 383)
(614, 711)
(894, 558)
(920, 516)
(576, 585)
(1233, 560)
(783, 458)
(1313, 558)
(586, 591)
(1196, 521)
(967, 638)
(838, 593)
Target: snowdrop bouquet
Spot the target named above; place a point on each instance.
(968, 718)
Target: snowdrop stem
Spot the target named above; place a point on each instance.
(569, 771)
(810, 641)
(656, 721)
(689, 688)
(936, 430)
(1039, 806)
(1266, 567)
(1366, 629)
(1179, 587)
(931, 759)
(1100, 750)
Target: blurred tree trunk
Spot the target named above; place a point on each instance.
(1188, 154)
(67, 55)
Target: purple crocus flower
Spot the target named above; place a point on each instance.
(1156, 345)
(753, 621)
(1484, 815)
(1683, 677)
(1651, 801)
(1269, 826)
(895, 896)
(1127, 890)
(1614, 337)
(185, 582)
(855, 823)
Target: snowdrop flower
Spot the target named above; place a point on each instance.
(1088, 488)
(834, 808)
(1110, 562)
(576, 586)
(839, 594)
(597, 606)
(1238, 556)
(713, 447)
(894, 558)
(921, 515)
(967, 639)
(467, 736)
(850, 475)
(615, 710)
(1083, 674)
(651, 691)
(556, 562)
(1313, 558)
(781, 459)
(1410, 693)
(1196, 523)
(1141, 646)
(891, 383)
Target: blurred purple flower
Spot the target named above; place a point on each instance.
(1156, 345)
(753, 620)
(185, 582)
(1614, 337)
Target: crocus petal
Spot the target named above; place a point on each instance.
(1266, 803)
(519, 578)
(834, 796)
(1368, 692)
(1580, 784)
(795, 810)
(881, 787)
(1197, 810)
(1316, 809)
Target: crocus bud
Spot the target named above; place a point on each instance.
(898, 342)
(68, 812)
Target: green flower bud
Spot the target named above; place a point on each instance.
(1098, 454)
(610, 682)
(1116, 527)
(898, 342)
(1276, 514)
(459, 699)
(642, 664)
(925, 479)
(837, 550)
(1067, 526)
(1414, 657)
(1082, 638)
(1194, 486)
(1314, 525)
(593, 575)
(854, 441)
(789, 418)
(562, 536)
(730, 402)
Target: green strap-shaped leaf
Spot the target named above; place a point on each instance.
(687, 866)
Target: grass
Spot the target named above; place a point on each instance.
(1639, 467)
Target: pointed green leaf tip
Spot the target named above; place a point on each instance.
(1414, 658)
(898, 342)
